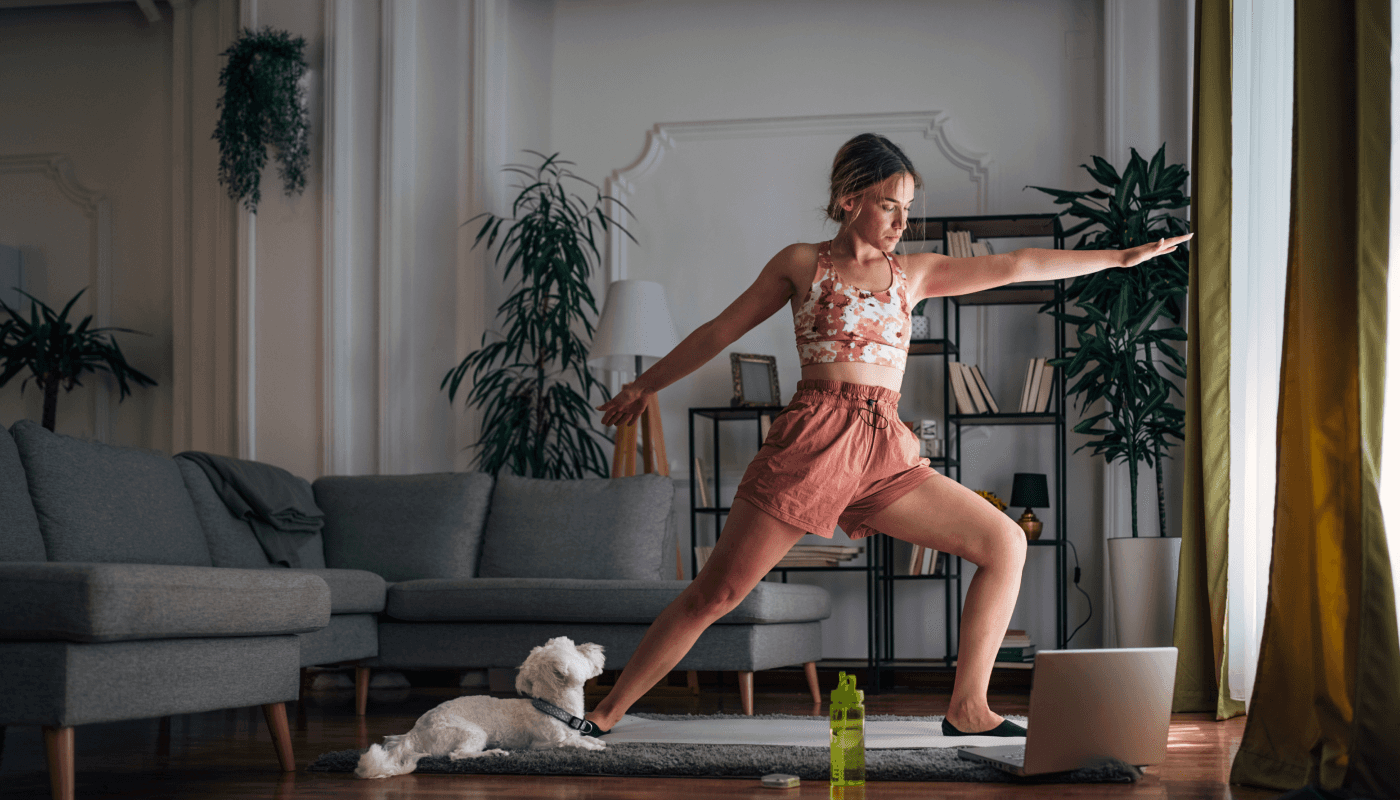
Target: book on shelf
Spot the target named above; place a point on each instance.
(1047, 380)
(818, 555)
(702, 490)
(1026, 386)
(702, 554)
(986, 392)
(981, 248)
(973, 390)
(765, 421)
(960, 389)
(930, 558)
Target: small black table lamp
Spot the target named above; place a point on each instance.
(1029, 489)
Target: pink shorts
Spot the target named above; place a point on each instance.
(837, 455)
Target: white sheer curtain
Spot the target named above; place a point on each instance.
(1261, 132)
(1390, 430)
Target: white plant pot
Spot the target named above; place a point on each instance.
(1144, 573)
(919, 326)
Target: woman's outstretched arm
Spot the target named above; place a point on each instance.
(768, 293)
(941, 276)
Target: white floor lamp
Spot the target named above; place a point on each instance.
(634, 331)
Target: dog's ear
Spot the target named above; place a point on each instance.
(594, 654)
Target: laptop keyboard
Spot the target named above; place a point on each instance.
(1018, 757)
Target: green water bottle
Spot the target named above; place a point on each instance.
(847, 733)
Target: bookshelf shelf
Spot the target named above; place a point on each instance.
(1004, 419)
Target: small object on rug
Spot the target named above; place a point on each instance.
(780, 781)
(1006, 728)
(639, 759)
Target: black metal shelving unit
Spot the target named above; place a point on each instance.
(882, 614)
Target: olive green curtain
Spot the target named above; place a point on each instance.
(1200, 600)
(1326, 703)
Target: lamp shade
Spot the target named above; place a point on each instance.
(635, 323)
(1029, 490)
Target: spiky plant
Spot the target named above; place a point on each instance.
(1116, 314)
(531, 380)
(57, 353)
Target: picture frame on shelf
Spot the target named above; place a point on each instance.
(755, 380)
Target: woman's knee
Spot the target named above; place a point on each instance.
(710, 600)
(1003, 543)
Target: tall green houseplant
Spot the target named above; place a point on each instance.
(58, 353)
(1128, 319)
(531, 381)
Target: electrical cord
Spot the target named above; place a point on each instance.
(1087, 599)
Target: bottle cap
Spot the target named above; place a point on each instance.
(846, 692)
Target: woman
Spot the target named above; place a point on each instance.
(838, 453)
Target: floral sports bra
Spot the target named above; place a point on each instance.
(840, 322)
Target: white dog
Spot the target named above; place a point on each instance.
(467, 726)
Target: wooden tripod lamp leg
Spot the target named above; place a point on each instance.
(58, 746)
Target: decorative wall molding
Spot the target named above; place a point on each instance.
(1115, 44)
(398, 168)
(246, 261)
(59, 170)
(666, 136)
(181, 236)
(337, 241)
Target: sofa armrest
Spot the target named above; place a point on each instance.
(85, 602)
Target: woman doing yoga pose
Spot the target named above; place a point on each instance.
(838, 454)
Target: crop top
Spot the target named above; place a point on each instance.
(840, 322)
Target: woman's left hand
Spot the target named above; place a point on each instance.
(1136, 255)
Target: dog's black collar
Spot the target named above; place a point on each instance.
(581, 725)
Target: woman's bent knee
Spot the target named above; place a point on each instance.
(709, 602)
(1002, 544)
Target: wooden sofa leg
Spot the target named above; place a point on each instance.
(811, 669)
(746, 692)
(692, 679)
(276, 714)
(361, 690)
(58, 746)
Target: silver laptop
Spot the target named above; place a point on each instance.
(1089, 707)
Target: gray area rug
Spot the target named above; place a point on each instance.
(735, 761)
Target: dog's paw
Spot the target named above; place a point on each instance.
(495, 752)
(585, 743)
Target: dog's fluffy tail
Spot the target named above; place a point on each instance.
(396, 757)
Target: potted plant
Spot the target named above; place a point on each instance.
(531, 381)
(263, 105)
(1127, 322)
(57, 353)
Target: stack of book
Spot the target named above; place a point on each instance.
(1016, 650)
(802, 555)
(970, 392)
(960, 245)
(1035, 393)
(913, 559)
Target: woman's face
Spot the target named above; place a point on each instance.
(879, 215)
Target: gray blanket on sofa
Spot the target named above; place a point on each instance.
(278, 505)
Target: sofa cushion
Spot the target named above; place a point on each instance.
(116, 602)
(20, 539)
(353, 591)
(574, 600)
(108, 504)
(405, 526)
(600, 528)
(230, 539)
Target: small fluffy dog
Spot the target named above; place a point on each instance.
(467, 726)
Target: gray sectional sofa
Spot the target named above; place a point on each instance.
(128, 589)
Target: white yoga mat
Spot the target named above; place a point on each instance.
(814, 732)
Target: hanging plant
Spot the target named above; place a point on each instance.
(263, 106)
(531, 381)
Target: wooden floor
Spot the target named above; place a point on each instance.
(228, 754)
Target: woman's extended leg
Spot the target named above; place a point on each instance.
(752, 544)
(946, 516)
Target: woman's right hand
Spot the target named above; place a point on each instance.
(626, 405)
